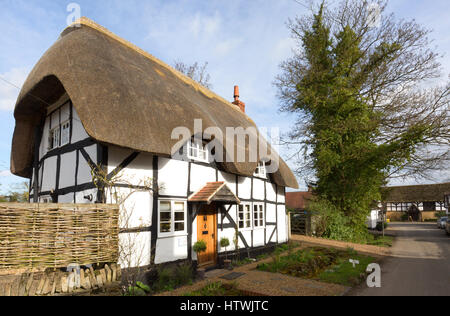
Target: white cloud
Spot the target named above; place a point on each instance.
(202, 25)
(223, 48)
(10, 90)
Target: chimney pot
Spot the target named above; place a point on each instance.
(238, 102)
(236, 93)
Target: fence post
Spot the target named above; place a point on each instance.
(289, 225)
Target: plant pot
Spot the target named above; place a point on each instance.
(227, 264)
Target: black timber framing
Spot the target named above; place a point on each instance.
(37, 145)
(155, 208)
(123, 165)
(68, 148)
(77, 166)
(276, 210)
(265, 213)
(252, 210)
(102, 162)
(230, 219)
(190, 214)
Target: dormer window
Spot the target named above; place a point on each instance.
(197, 151)
(54, 137)
(65, 133)
(59, 136)
(261, 171)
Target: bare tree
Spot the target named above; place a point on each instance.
(195, 72)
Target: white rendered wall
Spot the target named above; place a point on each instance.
(258, 237)
(80, 196)
(271, 217)
(78, 131)
(173, 177)
(49, 175)
(134, 249)
(258, 189)
(244, 188)
(139, 172)
(271, 192)
(229, 179)
(171, 249)
(84, 170)
(282, 224)
(200, 176)
(136, 207)
(67, 171)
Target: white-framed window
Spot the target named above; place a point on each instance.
(440, 206)
(258, 215)
(245, 216)
(197, 151)
(261, 171)
(65, 133)
(53, 139)
(172, 218)
(251, 215)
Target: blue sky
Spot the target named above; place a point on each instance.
(243, 40)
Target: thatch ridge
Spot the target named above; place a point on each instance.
(416, 193)
(210, 94)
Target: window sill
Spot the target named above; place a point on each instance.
(171, 235)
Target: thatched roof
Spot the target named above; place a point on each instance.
(416, 193)
(123, 96)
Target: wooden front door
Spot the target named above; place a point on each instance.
(207, 231)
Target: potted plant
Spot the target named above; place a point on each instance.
(199, 247)
(225, 243)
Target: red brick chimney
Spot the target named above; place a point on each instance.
(238, 102)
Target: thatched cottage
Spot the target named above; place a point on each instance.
(420, 202)
(96, 116)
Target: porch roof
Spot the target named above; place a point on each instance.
(215, 192)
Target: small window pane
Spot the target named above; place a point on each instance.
(165, 216)
(165, 206)
(179, 207)
(65, 134)
(179, 216)
(165, 228)
(179, 227)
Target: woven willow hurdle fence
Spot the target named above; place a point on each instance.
(41, 236)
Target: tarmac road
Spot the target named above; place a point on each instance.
(419, 264)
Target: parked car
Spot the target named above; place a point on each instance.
(442, 222)
(447, 226)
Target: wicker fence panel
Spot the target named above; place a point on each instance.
(39, 236)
